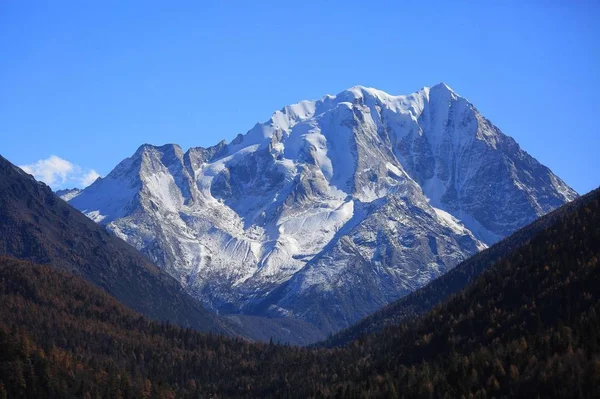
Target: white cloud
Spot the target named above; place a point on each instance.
(52, 171)
(89, 178)
(60, 173)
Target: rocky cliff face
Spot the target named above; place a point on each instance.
(330, 209)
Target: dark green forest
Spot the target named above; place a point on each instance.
(526, 327)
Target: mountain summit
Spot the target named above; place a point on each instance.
(330, 209)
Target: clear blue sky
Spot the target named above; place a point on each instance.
(89, 81)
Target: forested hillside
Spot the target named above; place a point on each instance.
(527, 327)
(38, 226)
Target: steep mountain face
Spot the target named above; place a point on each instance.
(36, 225)
(426, 298)
(332, 208)
(68, 193)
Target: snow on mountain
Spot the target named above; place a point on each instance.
(330, 209)
(68, 194)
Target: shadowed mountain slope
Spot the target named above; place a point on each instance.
(527, 327)
(38, 226)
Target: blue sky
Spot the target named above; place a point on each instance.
(88, 82)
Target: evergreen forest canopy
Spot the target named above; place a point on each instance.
(526, 327)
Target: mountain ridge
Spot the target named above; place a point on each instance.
(383, 192)
(440, 289)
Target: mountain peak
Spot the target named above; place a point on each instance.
(357, 92)
(362, 91)
(442, 88)
(68, 193)
(165, 148)
(324, 189)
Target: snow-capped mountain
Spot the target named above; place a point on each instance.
(330, 209)
(68, 194)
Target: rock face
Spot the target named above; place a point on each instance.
(332, 208)
(68, 194)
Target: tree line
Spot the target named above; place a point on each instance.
(526, 327)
